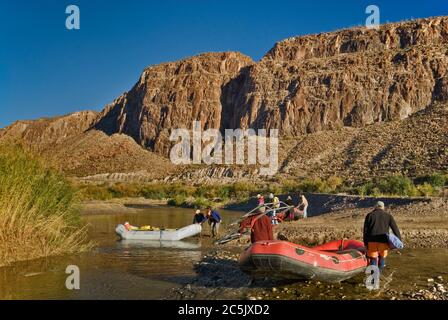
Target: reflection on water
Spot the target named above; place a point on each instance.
(405, 272)
(134, 244)
(115, 269)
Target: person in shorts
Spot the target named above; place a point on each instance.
(376, 228)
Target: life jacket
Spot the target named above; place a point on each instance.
(276, 202)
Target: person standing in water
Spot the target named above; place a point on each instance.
(275, 205)
(214, 220)
(260, 227)
(260, 199)
(199, 218)
(375, 234)
(289, 215)
(303, 205)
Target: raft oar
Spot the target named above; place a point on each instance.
(269, 208)
(229, 238)
(235, 234)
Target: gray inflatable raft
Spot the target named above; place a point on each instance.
(161, 235)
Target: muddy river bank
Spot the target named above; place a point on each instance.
(413, 274)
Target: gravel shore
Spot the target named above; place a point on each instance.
(423, 225)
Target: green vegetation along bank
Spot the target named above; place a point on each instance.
(188, 195)
(39, 214)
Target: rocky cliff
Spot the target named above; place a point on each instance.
(338, 99)
(353, 77)
(171, 96)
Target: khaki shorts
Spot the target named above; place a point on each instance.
(375, 249)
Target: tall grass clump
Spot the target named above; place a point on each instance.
(39, 214)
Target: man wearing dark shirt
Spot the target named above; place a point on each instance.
(376, 229)
(260, 227)
(214, 219)
(199, 218)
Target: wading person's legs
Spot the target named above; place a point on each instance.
(210, 223)
(216, 231)
(214, 227)
(372, 253)
(382, 260)
(377, 253)
(274, 217)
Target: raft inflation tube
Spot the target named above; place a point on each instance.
(159, 235)
(331, 262)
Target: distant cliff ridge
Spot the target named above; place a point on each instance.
(333, 81)
(353, 77)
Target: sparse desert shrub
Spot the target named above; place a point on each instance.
(397, 185)
(365, 189)
(426, 190)
(94, 192)
(154, 191)
(275, 189)
(224, 193)
(312, 185)
(333, 183)
(291, 186)
(124, 190)
(242, 190)
(181, 189)
(436, 180)
(201, 203)
(178, 200)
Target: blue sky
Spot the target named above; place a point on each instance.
(47, 70)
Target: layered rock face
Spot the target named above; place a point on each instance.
(172, 96)
(353, 77)
(356, 102)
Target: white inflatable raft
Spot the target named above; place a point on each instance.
(160, 235)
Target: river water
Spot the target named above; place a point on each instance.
(115, 269)
(141, 270)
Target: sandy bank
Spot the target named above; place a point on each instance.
(119, 205)
(423, 225)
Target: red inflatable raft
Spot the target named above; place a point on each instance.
(331, 262)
